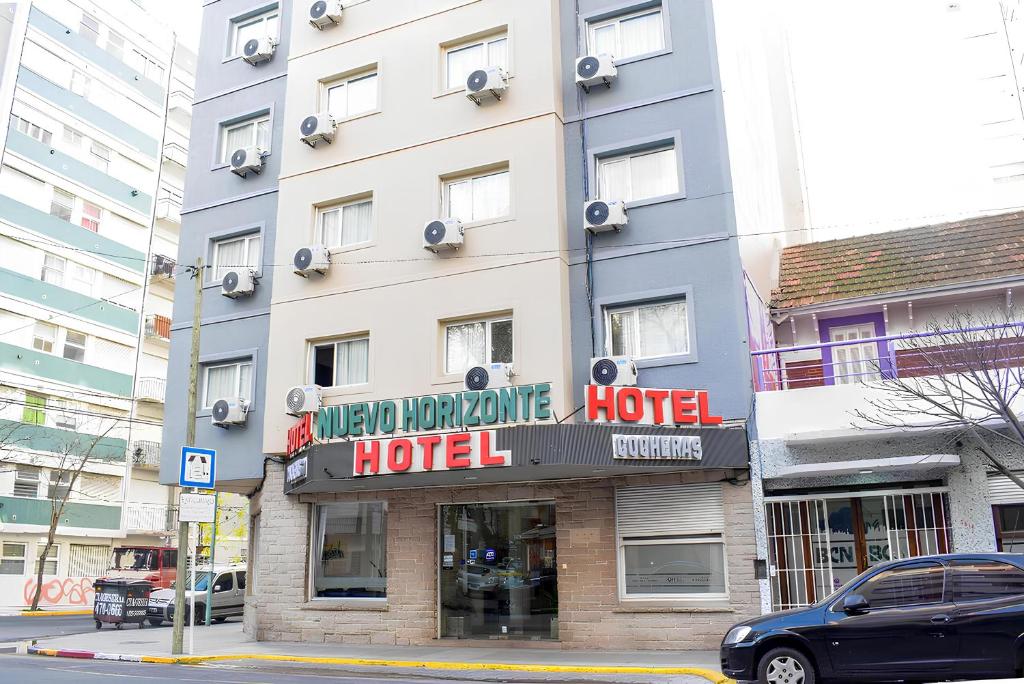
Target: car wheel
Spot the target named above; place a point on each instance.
(219, 620)
(786, 666)
(156, 622)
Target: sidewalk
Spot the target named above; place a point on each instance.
(222, 643)
(44, 611)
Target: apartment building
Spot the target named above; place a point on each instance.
(98, 97)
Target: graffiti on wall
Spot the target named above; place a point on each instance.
(69, 591)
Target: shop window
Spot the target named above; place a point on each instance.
(255, 131)
(227, 380)
(62, 204)
(648, 330)
(478, 197)
(628, 35)
(472, 343)
(912, 585)
(50, 562)
(34, 411)
(341, 225)
(345, 362)
(350, 550)
(74, 346)
(464, 58)
(12, 558)
(980, 580)
(670, 543)
(236, 253)
(53, 269)
(26, 481)
(262, 25)
(44, 336)
(351, 96)
(638, 175)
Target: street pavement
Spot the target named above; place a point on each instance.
(19, 628)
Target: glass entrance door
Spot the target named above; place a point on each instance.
(498, 571)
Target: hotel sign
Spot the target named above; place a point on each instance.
(428, 453)
(649, 406)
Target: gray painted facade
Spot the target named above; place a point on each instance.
(675, 245)
(219, 204)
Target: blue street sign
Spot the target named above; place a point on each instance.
(198, 468)
(490, 555)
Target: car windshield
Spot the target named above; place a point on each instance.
(135, 559)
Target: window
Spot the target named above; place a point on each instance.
(74, 346)
(50, 562)
(80, 83)
(462, 60)
(62, 204)
(240, 574)
(980, 580)
(478, 198)
(260, 26)
(99, 156)
(91, 216)
(88, 560)
(245, 134)
(630, 35)
(53, 269)
(59, 485)
(227, 380)
(89, 28)
(115, 44)
(344, 224)
(225, 582)
(472, 343)
(1009, 520)
(913, 585)
(341, 363)
(26, 481)
(235, 253)
(638, 175)
(169, 559)
(82, 279)
(32, 130)
(648, 330)
(351, 96)
(43, 337)
(63, 417)
(34, 412)
(72, 138)
(12, 559)
(674, 566)
(350, 550)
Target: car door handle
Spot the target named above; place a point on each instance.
(940, 619)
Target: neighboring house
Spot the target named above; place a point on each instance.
(98, 98)
(853, 494)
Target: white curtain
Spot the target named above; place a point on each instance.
(497, 54)
(237, 138)
(362, 95)
(230, 256)
(613, 180)
(641, 35)
(352, 362)
(465, 346)
(245, 380)
(490, 196)
(653, 174)
(460, 200)
(603, 39)
(462, 62)
(263, 134)
(355, 222)
(330, 227)
(221, 383)
(623, 333)
(252, 257)
(663, 329)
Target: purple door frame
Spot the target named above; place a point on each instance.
(825, 325)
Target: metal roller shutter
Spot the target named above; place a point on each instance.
(669, 510)
(1002, 490)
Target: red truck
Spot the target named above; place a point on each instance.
(156, 564)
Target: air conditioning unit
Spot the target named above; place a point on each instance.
(312, 259)
(601, 216)
(246, 159)
(316, 128)
(241, 283)
(162, 266)
(595, 70)
(324, 13)
(231, 411)
(258, 50)
(444, 233)
(485, 84)
(303, 399)
(613, 370)
(489, 376)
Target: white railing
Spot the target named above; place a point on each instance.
(151, 389)
(149, 517)
(146, 453)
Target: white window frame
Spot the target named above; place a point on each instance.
(73, 137)
(55, 559)
(57, 198)
(84, 346)
(88, 32)
(623, 542)
(99, 156)
(448, 183)
(339, 207)
(247, 239)
(207, 402)
(635, 309)
(32, 130)
(485, 41)
(488, 346)
(52, 341)
(234, 49)
(315, 550)
(62, 269)
(344, 81)
(254, 122)
(37, 479)
(81, 83)
(83, 216)
(81, 285)
(628, 157)
(4, 556)
(594, 26)
(313, 346)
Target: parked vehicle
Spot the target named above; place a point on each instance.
(955, 616)
(155, 564)
(478, 579)
(228, 596)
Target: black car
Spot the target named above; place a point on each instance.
(955, 616)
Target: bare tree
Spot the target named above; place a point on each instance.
(66, 457)
(965, 373)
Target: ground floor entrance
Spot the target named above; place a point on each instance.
(497, 570)
(816, 543)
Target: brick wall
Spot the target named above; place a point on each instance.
(590, 614)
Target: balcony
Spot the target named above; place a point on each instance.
(176, 153)
(180, 102)
(146, 454)
(168, 206)
(158, 328)
(162, 267)
(156, 518)
(812, 392)
(151, 390)
(20, 511)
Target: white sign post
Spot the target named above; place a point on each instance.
(198, 469)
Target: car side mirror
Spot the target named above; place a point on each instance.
(854, 604)
(216, 587)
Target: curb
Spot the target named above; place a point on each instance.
(710, 675)
(54, 613)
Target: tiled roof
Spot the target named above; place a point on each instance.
(964, 251)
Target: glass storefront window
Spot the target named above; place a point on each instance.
(350, 551)
(498, 571)
(674, 567)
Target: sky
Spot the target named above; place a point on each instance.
(181, 16)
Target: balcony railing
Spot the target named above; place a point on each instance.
(158, 327)
(176, 152)
(145, 453)
(168, 207)
(909, 355)
(151, 389)
(181, 101)
(150, 517)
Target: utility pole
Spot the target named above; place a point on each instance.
(178, 634)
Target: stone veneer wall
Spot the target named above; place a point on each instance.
(590, 614)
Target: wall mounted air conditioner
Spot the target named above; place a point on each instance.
(446, 233)
(489, 376)
(600, 216)
(489, 83)
(312, 259)
(325, 13)
(316, 128)
(595, 70)
(613, 370)
(258, 50)
(240, 283)
(227, 412)
(303, 399)
(247, 159)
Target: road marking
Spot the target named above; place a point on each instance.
(138, 676)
